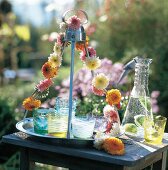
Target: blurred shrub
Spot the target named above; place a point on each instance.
(6, 117)
(139, 29)
(11, 97)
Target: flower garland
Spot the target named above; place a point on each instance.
(99, 84)
(50, 69)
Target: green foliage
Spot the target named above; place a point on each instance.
(139, 29)
(6, 116)
(10, 106)
(91, 104)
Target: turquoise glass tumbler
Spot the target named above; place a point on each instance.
(40, 120)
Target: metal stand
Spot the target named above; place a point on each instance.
(73, 36)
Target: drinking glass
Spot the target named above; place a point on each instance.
(40, 120)
(62, 106)
(57, 124)
(58, 120)
(83, 127)
(154, 129)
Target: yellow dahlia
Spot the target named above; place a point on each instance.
(55, 59)
(92, 63)
(113, 96)
(113, 146)
(48, 70)
(100, 81)
(30, 103)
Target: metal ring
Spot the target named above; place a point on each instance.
(64, 15)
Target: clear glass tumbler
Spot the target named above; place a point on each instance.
(83, 127)
(62, 106)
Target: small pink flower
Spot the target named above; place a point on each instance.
(98, 92)
(43, 85)
(113, 116)
(74, 23)
(108, 127)
(83, 55)
(91, 51)
(60, 39)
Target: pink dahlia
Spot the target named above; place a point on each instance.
(91, 51)
(43, 85)
(98, 92)
(74, 23)
(60, 39)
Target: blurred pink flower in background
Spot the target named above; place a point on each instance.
(83, 78)
(91, 28)
(154, 96)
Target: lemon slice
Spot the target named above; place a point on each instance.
(139, 120)
(131, 128)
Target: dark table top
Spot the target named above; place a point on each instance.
(135, 153)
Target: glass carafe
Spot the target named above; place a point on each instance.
(139, 104)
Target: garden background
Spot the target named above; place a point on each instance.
(119, 30)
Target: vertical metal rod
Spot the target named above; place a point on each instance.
(71, 88)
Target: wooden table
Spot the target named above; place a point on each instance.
(138, 155)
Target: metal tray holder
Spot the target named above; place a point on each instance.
(71, 37)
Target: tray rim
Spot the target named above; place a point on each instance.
(19, 126)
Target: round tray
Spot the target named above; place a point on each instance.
(26, 126)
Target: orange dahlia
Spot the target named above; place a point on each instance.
(30, 103)
(113, 97)
(80, 45)
(48, 70)
(114, 146)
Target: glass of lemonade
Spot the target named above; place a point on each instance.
(58, 119)
(57, 123)
(154, 129)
